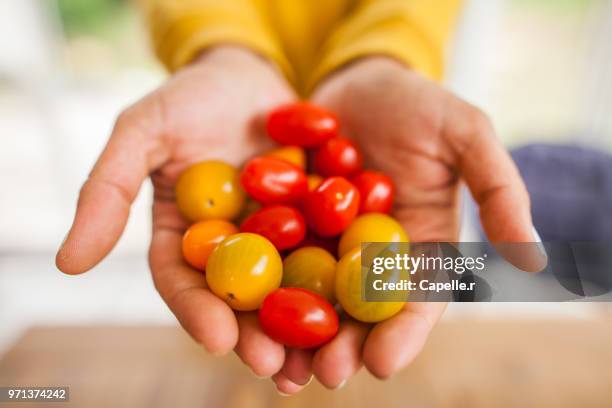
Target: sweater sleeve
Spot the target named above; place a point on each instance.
(180, 29)
(412, 31)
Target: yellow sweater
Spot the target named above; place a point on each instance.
(307, 39)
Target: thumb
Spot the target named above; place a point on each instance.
(498, 188)
(134, 149)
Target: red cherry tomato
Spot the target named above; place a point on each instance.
(301, 124)
(298, 318)
(331, 207)
(283, 226)
(273, 181)
(337, 157)
(376, 191)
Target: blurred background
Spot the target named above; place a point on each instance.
(542, 69)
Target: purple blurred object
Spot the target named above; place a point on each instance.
(571, 191)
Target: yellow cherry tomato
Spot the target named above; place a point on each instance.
(314, 181)
(210, 190)
(371, 227)
(243, 269)
(311, 268)
(202, 238)
(292, 154)
(349, 292)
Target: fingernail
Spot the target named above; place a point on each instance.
(342, 384)
(536, 236)
(260, 377)
(305, 383)
(282, 394)
(538, 241)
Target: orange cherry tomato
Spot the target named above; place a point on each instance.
(293, 154)
(301, 124)
(337, 157)
(210, 190)
(273, 181)
(331, 207)
(202, 238)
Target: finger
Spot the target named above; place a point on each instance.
(134, 149)
(298, 366)
(394, 343)
(208, 319)
(334, 363)
(284, 385)
(496, 185)
(263, 355)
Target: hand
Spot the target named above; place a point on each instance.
(209, 109)
(427, 140)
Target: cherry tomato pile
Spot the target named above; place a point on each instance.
(275, 237)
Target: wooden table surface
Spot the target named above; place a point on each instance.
(465, 364)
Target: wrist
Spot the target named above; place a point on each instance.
(359, 73)
(375, 62)
(229, 54)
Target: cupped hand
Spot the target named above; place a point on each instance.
(429, 142)
(211, 109)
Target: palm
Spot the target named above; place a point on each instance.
(399, 122)
(397, 119)
(209, 112)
